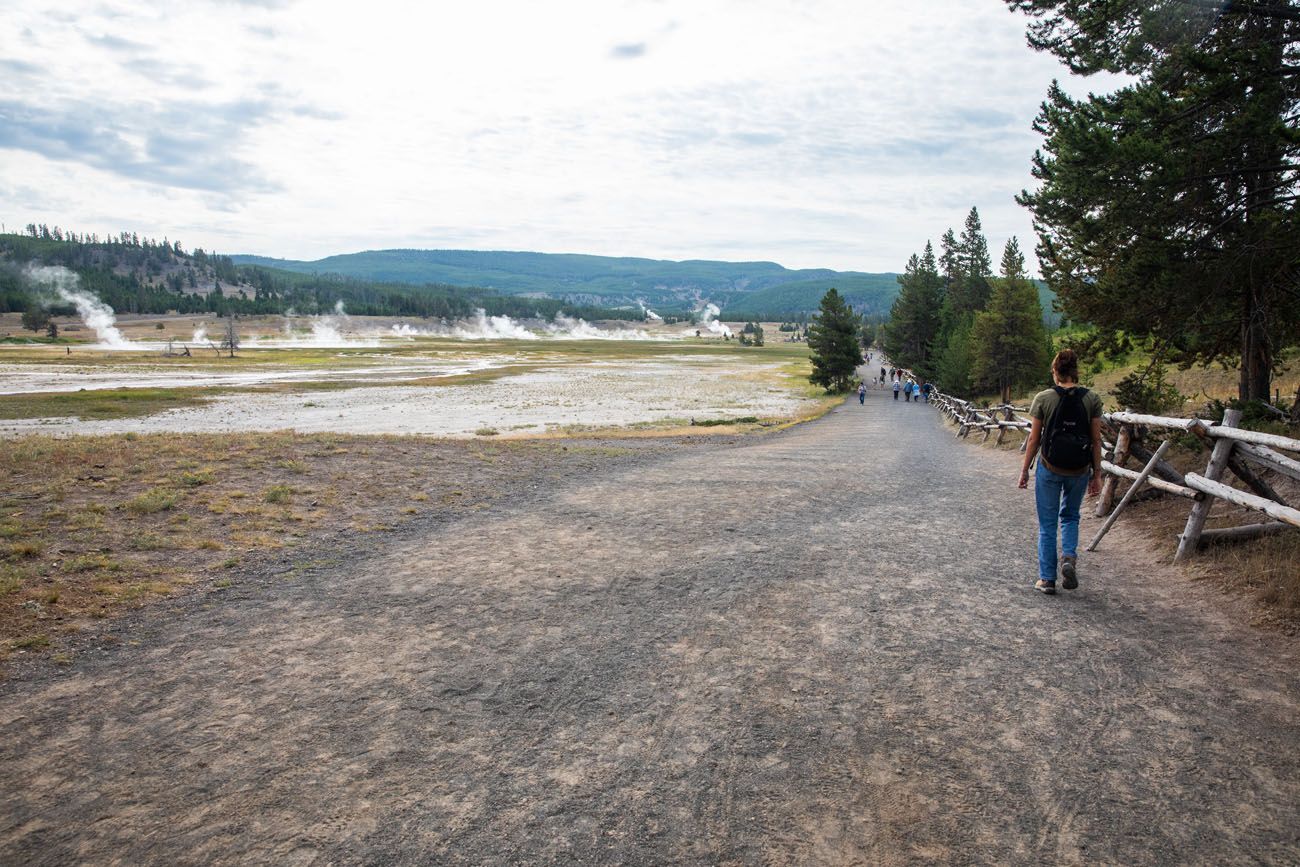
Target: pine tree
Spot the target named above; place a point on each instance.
(35, 318)
(1170, 207)
(833, 342)
(953, 363)
(948, 265)
(1007, 338)
(914, 319)
(972, 267)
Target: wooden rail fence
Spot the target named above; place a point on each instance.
(1240, 452)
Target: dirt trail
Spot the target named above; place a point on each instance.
(815, 647)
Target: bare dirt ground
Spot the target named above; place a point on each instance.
(819, 646)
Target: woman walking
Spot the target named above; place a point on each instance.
(1066, 421)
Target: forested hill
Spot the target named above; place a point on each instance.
(741, 289)
(143, 275)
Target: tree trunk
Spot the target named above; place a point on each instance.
(1256, 353)
(1260, 188)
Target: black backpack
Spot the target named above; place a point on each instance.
(1067, 436)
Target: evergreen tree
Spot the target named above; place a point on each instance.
(1007, 338)
(948, 265)
(833, 342)
(953, 364)
(914, 320)
(1169, 207)
(972, 267)
(35, 318)
(751, 334)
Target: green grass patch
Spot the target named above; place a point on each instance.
(91, 563)
(148, 542)
(716, 422)
(102, 403)
(152, 501)
(36, 339)
(278, 494)
(132, 592)
(195, 479)
(22, 550)
(10, 582)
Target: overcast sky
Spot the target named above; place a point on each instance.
(814, 133)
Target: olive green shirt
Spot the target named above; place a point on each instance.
(1046, 402)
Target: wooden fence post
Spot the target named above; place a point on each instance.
(1201, 508)
(1133, 488)
(1108, 484)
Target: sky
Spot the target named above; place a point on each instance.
(813, 133)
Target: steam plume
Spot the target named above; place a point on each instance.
(569, 328)
(484, 327)
(97, 315)
(708, 318)
(326, 331)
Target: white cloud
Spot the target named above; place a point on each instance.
(818, 133)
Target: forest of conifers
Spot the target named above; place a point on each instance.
(142, 275)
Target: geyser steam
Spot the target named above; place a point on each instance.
(708, 317)
(484, 327)
(327, 330)
(97, 315)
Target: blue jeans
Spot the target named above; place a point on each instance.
(1057, 497)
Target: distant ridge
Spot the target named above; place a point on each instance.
(741, 289)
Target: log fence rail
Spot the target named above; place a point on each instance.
(1232, 449)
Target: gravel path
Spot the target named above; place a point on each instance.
(815, 647)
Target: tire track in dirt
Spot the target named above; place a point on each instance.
(819, 646)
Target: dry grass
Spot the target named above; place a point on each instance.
(92, 526)
(1266, 569)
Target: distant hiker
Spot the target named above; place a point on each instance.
(907, 391)
(1066, 419)
(882, 375)
(862, 393)
(926, 388)
(896, 389)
